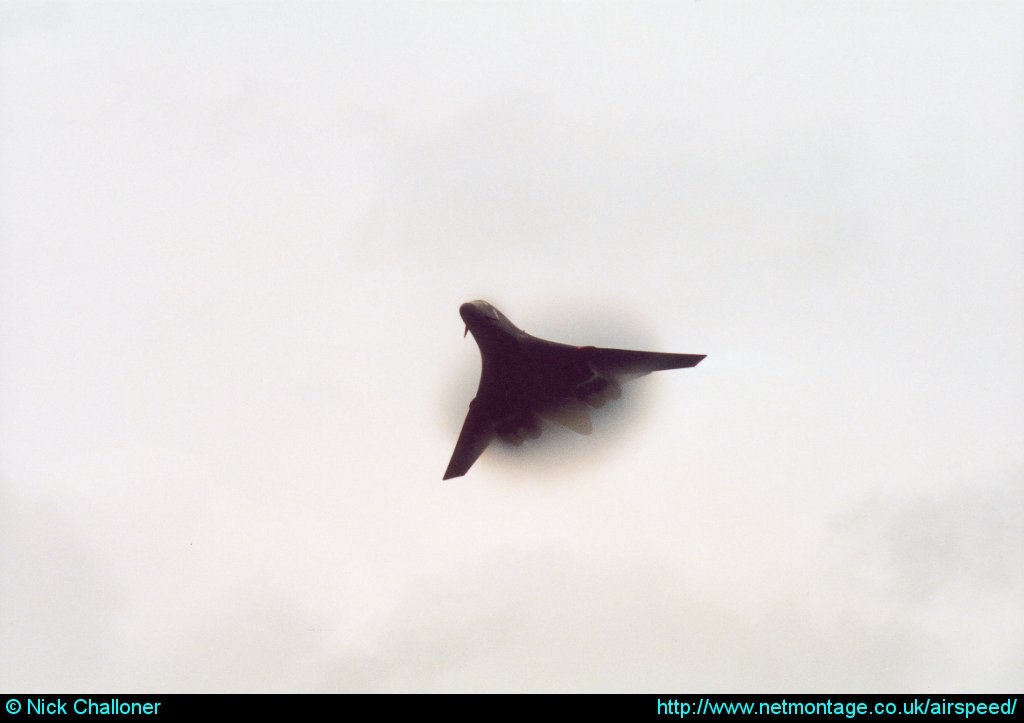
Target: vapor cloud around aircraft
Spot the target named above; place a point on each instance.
(524, 379)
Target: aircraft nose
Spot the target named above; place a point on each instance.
(468, 311)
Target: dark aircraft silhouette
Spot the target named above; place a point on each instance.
(523, 378)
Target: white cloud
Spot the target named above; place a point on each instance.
(232, 249)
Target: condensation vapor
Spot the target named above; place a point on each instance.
(591, 436)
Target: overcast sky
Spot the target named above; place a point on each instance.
(233, 242)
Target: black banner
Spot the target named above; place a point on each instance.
(667, 706)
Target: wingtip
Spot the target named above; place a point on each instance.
(689, 360)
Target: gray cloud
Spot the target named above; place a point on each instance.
(922, 547)
(59, 601)
(548, 621)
